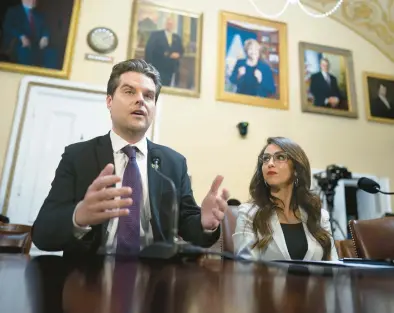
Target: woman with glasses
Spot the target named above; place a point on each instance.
(283, 219)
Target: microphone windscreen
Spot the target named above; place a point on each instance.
(155, 155)
(368, 185)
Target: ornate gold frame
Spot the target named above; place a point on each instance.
(134, 37)
(366, 96)
(350, 83)
(65, 71)
(221, 94)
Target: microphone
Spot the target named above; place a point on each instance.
(156, 162)
(168, 248)
(370, 186)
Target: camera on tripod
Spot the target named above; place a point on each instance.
(328, 180)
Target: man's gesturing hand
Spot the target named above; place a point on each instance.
(99, 204)
(214, 206)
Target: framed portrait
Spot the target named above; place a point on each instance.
(252, 61)
(327, 80)
(170, 40)
(379, 97)
(37, 36)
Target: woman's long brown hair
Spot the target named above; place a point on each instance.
(302, 197)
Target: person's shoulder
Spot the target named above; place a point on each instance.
(248, 209)
(264, 64)
(317, 74)
(88, 144)
(167, 151)
(157, 32)
(15, 9)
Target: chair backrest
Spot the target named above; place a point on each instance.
(15, 238)
(373, 238)
(228, 228)
(345, 248)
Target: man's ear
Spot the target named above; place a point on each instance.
(109, 102)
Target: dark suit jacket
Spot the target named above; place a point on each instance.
(158, 51)
(16, 24)
(81, 163)
(321, 90)
(379, 109)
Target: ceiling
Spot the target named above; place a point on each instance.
(371, 19)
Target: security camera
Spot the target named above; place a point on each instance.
(243, 128)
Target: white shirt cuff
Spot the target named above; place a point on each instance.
(79, 231)
(210, 231)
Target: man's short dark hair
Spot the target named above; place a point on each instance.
(133, 65)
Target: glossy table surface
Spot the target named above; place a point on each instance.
(54, 284)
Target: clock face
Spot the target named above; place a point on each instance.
(102, 40)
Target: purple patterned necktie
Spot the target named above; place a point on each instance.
(128, 237)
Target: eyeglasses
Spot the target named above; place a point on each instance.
(279, 157)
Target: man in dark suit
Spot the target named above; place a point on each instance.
(381, 106)
(164, 50)
(90, 209)
(26, 36)
(324, 87)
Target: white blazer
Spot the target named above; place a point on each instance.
(244, 238)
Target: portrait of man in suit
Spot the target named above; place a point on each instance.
(169, 39)
(164, 50)
(35, 32)
(381, 98)
(324, 87)
(328, 79)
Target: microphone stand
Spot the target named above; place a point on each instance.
(166, 249)
(330, 193)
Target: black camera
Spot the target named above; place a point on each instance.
(328, 180)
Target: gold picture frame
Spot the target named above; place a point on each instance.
(327, 80)
(379, 97)
(44, 57)
(252, 61)
(177, 57)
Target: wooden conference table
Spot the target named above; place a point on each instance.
(53, 284)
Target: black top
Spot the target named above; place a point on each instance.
(296, 242)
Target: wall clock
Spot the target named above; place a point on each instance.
(102, 40)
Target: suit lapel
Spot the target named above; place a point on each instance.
(310, 239)
(155, 185)
(104, 153)
(278, 236)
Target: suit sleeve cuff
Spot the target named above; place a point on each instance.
(79, 231)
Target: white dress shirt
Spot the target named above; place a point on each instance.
(326, 77)
(121, 160)
(385, 101)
